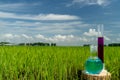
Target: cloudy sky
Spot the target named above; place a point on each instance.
(66, 22)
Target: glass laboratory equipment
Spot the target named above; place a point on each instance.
(93, 65)
(100, 43)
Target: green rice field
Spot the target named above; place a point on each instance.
(51, 63)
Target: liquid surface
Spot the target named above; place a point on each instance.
(93, 66)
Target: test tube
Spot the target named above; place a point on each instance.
(100, 43)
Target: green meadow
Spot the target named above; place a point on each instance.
(51, 63)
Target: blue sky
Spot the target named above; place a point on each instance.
(66, 22)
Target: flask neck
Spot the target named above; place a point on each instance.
(93, 51)
(93, 55)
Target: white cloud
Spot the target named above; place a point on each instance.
(14, 5)
(70, 39)
(63, 38)
(118, 39)
(59, 39)
(83, 3)
(66, 39)
(92, 32)
(18, 6)
(57, 17)
(38, 17)
(36, 31)
(25, 36)
(15, 38)
(39, 36)
(29, 28)
(56, 38)
(8, 36)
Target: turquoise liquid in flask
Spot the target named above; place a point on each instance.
(93, 64)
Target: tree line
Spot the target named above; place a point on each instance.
(29, 44)
(47, 44)
(114, 44)
(111, 44)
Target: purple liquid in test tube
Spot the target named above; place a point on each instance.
(100, 43)
(101, 48)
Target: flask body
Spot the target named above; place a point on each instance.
(93, 65)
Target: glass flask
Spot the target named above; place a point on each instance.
(93, 65)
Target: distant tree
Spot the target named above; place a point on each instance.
(35, 44)
(86, 45)
(53, 44)
(4, 43)
(47, 44)
(21, 44)
(114, 44)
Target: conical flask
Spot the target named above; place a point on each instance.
(93, 65)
